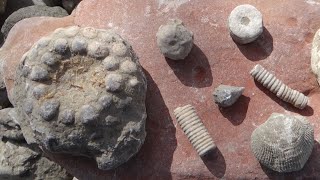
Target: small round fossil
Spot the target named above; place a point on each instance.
(79, 45)
(49, 59)
(61, 45)
(49, 109)
(113, 82)
(67, 116)
(283, 143)
(39, 74)
(175, 40)
(245, 24)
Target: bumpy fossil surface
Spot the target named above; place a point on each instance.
(245, 24)
(193, 127)
(82, 91)
(19, 162)
(283, 143)
(226, 96)
(175, 40)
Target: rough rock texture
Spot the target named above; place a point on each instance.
(9, 127)
(245, 24)
(17, 161)
(175, 40)
(3, 4)
(226, 96)
(315, 55)
(82, 91)
(30, 11)
(283, 143)
(215, 59)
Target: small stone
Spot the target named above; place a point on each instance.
(175, 40)
(49, 109)
(245, 24)
(67, 117)
(119, 49)
(39, 74)
(111, 63)
(88, 114)
(133, 82)
(113, 82)
(89, 32)
(79, 45)
(128, 67)
(49, 59)
(61, 46)
(39, 91)
(98, 50)
(226, 96)
(106, 101)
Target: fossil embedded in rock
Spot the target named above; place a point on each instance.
(283, 143)
(277, 87)
(192, 126)
(72, 84)
(175, 40)
(245, 24)
(226, 96)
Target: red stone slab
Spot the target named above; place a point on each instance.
(284, 49)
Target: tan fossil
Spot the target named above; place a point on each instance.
(277, 87)
(195, 130)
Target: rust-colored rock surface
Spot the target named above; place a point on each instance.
(284, 49)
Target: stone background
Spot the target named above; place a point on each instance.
(284, 49)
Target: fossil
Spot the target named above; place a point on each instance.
(226, 96)
(175, 40)
(195, 130)
(283, 143)
(277, 87)
(245, 24)
(82, 91)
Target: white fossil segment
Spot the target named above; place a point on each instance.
(174, 40)
(195, 130)
(283, 143)
(277, 87)
(245, 24)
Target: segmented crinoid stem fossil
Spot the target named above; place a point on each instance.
(277, 87)
(283, 143)
(192, 126)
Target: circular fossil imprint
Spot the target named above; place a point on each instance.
(82, 91)
(245, 24)
(283, 143)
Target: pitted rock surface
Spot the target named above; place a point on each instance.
(82, 91)
(18, 161)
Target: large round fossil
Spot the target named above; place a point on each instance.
(82, 91)
(283, 143)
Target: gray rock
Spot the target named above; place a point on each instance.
(9, 127)
(81, 108)
(4, 100)
(21, 162)
(69, 5)
(175, 40)
(226, 96)
(245, 24)
(283, 143)
(28, 12)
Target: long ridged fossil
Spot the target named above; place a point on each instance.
(277, 87)
(195, 130)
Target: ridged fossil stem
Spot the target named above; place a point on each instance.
(195, 130)
(277, 87)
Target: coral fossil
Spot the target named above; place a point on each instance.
(277, 87)
(194, 129)
(82, 91)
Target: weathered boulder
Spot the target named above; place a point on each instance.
(28, 12)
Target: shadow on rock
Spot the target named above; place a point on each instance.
(154, 159)
(259, 49)
(307, 111)
(194, 70)
(311, 169)
(215, 163)
(237, 112)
